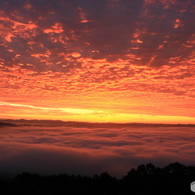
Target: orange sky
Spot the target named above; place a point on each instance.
(98, 61)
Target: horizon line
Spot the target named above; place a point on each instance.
(125, 123)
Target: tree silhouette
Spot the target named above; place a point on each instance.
(174, 178)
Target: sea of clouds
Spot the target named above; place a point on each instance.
(89, 151)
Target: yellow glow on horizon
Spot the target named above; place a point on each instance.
(86, 115)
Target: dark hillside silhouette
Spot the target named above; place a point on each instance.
(23, 122)
(7, 124)
(174, 178)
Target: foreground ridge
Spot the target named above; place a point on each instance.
(174, 178)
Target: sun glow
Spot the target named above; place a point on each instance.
(73, 114)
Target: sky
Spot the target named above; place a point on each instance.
(98, 60)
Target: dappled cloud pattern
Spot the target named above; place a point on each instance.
(106, 57)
